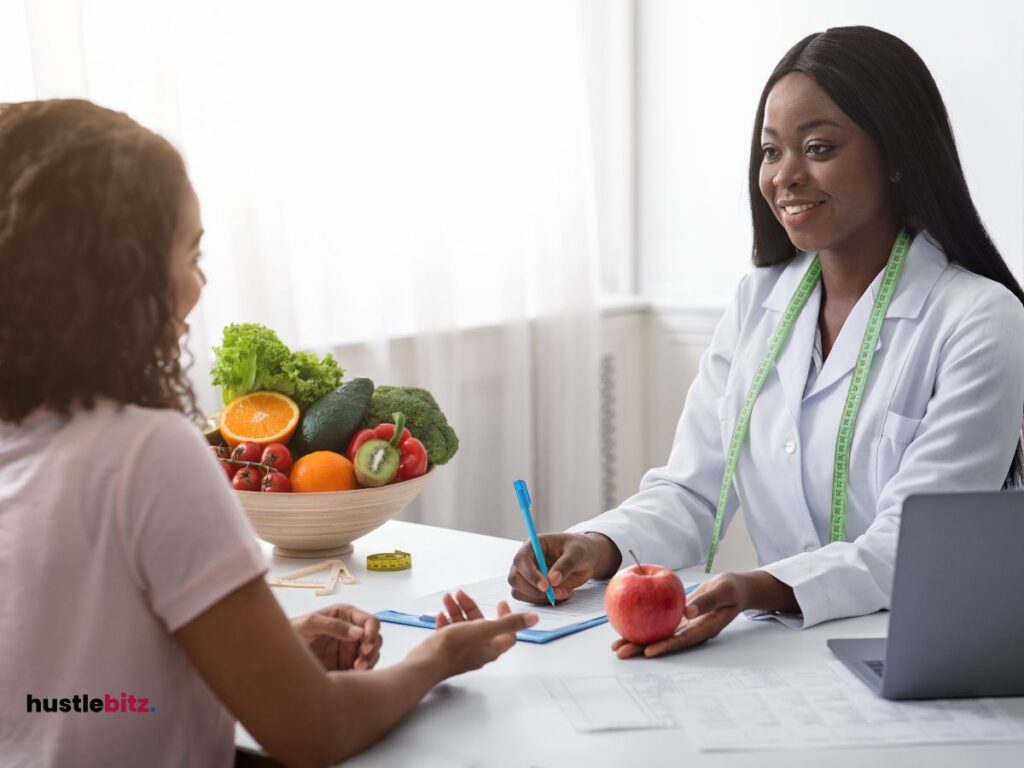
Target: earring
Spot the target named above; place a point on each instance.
(895, 177)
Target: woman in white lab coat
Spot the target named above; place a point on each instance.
(851, 147)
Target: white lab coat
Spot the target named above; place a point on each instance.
(942, 412)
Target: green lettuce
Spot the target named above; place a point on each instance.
(253, 358)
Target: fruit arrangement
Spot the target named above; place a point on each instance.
(290, 425)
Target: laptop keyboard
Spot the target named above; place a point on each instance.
(876, 666)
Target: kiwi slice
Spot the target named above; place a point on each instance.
(376, 463)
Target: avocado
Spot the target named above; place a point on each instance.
(210, 426)
(330, 422)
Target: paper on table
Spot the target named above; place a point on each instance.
(587, 603)
(789, 707)
(822, 705)
(613, 703)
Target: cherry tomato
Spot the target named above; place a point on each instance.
(277, 456)
(221, 452)
(275, 482)
(246, 479)
(247, 452)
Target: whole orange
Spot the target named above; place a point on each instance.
(323, 471)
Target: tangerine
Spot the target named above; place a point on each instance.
(323, 471)
(259, 417)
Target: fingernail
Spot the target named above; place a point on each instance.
(555, 578)
(542, 585)
(355, 631)
(691, 611)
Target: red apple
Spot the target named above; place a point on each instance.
(645, 603)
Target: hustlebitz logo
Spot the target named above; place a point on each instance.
(106, 704)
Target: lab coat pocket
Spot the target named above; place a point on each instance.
(897, 432)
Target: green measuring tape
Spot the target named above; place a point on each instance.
(854, 395)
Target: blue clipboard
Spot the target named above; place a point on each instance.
(527, 635)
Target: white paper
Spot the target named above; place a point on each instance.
(821, 705)
(785, 707)
(587, 603)
(613, 703)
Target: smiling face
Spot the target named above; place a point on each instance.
(824, 178)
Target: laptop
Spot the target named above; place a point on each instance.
(956, 628)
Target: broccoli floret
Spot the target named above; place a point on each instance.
(424, 419)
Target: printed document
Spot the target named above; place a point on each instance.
(784, 707)
(612, 703)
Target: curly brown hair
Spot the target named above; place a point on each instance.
(89, 205)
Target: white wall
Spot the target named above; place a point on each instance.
(701, 67)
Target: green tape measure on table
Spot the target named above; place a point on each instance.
(389, 561)
(854, 395)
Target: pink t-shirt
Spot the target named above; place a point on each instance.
(117, 528)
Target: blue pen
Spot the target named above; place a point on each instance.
(523, 496)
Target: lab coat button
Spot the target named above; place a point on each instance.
(789, 446)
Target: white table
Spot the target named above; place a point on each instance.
(490, 717)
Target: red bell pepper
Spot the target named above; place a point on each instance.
(414, 456)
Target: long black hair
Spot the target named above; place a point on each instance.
(884, 87)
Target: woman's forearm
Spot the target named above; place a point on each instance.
(365, 705)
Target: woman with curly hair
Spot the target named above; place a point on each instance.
(133, 584)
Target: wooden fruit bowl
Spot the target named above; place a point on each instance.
(325, 524)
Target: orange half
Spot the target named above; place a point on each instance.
(259, 417)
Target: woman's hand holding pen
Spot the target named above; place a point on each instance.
(575, 558)
(713, 606)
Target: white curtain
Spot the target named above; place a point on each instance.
(407, 184)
